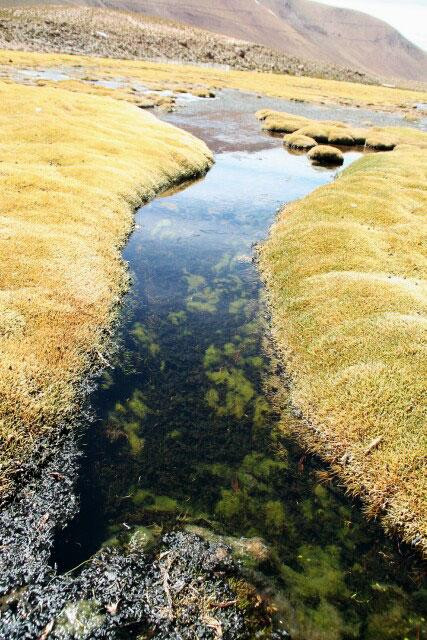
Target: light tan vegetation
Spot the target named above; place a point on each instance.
(325, 131)
(275, 85)
(345, 270)
(81, 86)
(325, 154)
(203, 93)
(143, 100)
(73, 169)
(299, 141)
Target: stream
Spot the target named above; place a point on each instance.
(186, 433)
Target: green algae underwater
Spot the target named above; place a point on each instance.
(188, 435)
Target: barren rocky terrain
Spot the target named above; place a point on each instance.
(106, 33)
(301, 28)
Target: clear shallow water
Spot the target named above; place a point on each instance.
(187, 434)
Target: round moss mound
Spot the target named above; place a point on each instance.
(279, 122)
(340, 136)
(203, 93)
(359, 135)
(326, 155)
(298, 141)
(380, 142)
(315, 130)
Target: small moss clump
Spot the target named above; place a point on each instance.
(213, 356)
(177, 318)
(238, 391)
(79, 620)
(276, 121)
(128, 419)
(203, 93)
(299, 141)
(201, 298)
(326, 155)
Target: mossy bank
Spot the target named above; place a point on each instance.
(345, 272)
(296, 88)
(73, 169)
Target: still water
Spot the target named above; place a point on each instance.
(187, 434)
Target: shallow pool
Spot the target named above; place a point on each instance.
(187, 434)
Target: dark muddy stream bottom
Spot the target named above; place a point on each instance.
(187, 437)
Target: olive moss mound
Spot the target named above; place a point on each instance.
(380, 141)
(74, 167)
(324, 154)
(276, 121)
(345, 272)
(338, 133)
(341, 137)
(297, 141)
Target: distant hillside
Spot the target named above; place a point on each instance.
(301, 28)
(121, 34)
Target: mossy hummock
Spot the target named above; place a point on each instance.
(74, 168)
(345, 271)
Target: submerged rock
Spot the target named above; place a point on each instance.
(250, 552)
(142, 539)
(79, 620)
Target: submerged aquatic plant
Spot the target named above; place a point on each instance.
(214, 457)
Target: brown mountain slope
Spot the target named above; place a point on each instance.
(298, 27)
(302, 28)
(108, 33)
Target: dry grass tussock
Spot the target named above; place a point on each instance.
(276, 85)
(346, 270)
(73, 169)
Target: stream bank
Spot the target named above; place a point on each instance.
(185, 437)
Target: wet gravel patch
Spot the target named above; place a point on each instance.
(44, 504)
(181, 592)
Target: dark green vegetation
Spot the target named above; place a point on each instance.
(188, 436)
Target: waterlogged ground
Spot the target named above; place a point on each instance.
(186, 435)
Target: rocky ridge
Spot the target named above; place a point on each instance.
(119, 34)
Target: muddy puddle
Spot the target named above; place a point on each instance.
(186, 435)
(185, 441)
